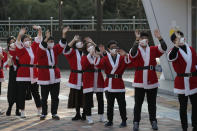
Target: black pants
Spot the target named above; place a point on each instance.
(183, 110)
(89, 102)
(120, 97)
(139, 99)
(12, 96)
(22, 89)
(54, 90)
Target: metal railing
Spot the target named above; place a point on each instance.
(12, 27)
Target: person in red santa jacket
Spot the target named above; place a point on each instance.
(49, 73)
(11, 63)
(184, 61)
(27, 72)
(114, 64)
(2, 59)
(1, 71)
(73, 53)
(146, 82)
(93, 81)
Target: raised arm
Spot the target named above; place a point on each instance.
(39, 37)
(70, 44)
(134, 49)
(162, 42)
(20, 34)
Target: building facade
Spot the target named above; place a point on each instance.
(165, 15)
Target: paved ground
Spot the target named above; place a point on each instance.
(167, 114)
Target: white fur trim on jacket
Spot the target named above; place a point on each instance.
(160, 49)
(41, 47)
(62, 45)
(40, 82)
(141, 85)
(168, 57)
(38, 40)
(90, 59)
(131, 55)
(74, 86)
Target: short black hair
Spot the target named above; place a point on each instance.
(173, 36)
(10, 38)
(144, 34)
(51, 38)
(111, 42)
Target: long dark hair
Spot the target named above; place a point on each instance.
(9, 39)
(84, 49)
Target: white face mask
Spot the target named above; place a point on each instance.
(13, 46)
(113, 51)
(91, 48)
(79, 45)
(50, 45)
(182, 41)
(27, 44)
(143, 42)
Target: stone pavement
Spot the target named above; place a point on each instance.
(167, 114)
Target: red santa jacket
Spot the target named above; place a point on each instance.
(1, 65)
(185, 63)
(92, 81)
(12, 53)
(48, 76)
(107, 63)
(74, 59)
(146, 79)
(27, 56)
(14, 58)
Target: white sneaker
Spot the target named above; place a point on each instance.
(90, 121)
(101, 118)
(39, 112)
(23, 114)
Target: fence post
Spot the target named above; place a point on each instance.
(51, 26)
(133, 22)
(92, 22)
(9, 26)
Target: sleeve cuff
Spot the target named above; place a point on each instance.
(41, 47)
(62, 45)
(67, 52)
(126, 59)
(38, 39)
(171, 60)
(160, 49)
(131, 55)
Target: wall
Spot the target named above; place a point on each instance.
(160, 15)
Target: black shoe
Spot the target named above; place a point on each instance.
(42, 117)
(83, 118)
(77, 117)
(136, 126)
(108, 124)
(17, 113)
(123, 124)
(8, 112)
(154, 125)
(186, 130)
(55, 117)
